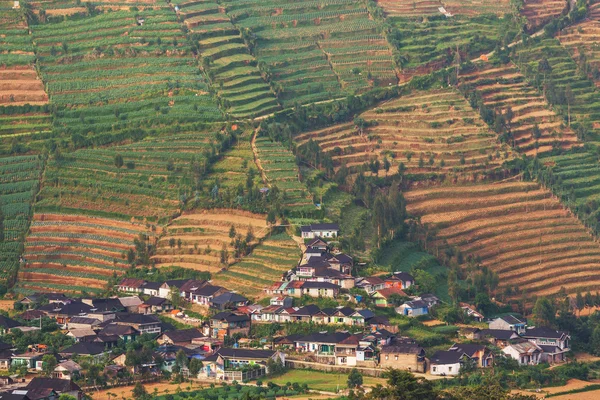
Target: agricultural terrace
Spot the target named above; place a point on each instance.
(517, 229)
(147, 180)
(478, 7)
(410, 8)
(200, 240)
(278, 165)
(119, 71)
(19, 183)
(426, 45)
(430, 132)
(563, 72)
(232, 170)
(539, 12)
(19, 83)
(276, 255)
(81, 250)
(535, 128)
(315, 51)
(230, 66)
(582, 42)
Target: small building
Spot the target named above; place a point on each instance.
(406, 355)
(239, 364)
(554, 344)
(59, 386)
(83, 323)
(131, 303)
(281, 301)
(525, 352)
(67, 370)
(180, 337)
(413, 308)
(92, 350)
(29, 359)
(6, 324)
(320, 289)
(382, 296)
(228, 300)
(479, 353)
(151, 288)
(400, 280)
(82, 335)
(320, 231)
(471, 312)
(446, 362)
(370, 284)
(227, 323)
(509, 323)
(498, 337)
(123, 332)
(140, 322)
(131, 285)
(205, 294)
(158, 305)
(31, 315)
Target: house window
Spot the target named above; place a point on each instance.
(449, 369)
(434, 369)
(396, 358)
(387, 357)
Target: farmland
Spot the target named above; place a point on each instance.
(425, 46)
(276, 255)
(313, 51)
(152, 182)
(517, 229)
(430, 132)
(19, 183)
(117, 72)
(86, 250)
(410, 8)
(534, 127)
(279, 167)
(581, 40)
(228, 63)
(539, 12)
(201, 240)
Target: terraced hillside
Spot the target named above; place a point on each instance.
(196, 239)
(505, 87)
(315, 51)
(582, 42)
(69, 252)
(121, 71)
(426, 45)
(539, 12)
(517, 229)
(477, 7)
(278, 165)
(430, 132)
(19, 183)
(410, 8)
(563, 72)
(230, 66)
(145, 180)
(268, 262)
(19, 84)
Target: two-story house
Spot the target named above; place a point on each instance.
(227, 323)
(509, 323)
(554, 344)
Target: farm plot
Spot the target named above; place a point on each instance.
(477, 7)
(201, 240)
(147, 180)
(535, 128)
(83, 250)
(268, 262)
(517, 229)
(410, 8)
(121, 71)
(563, 71)
(230, 66)
(306, 47)
(426, 45)
(430, 132)
(19, 183)
(280, 170)
(582, 41)
(540, 12)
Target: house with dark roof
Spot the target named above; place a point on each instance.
(509, 323)
(6, 324)
(320, 231)
(124, 332)
(173, 284)
(180, 337)
(413, 308)
(156, 304)
(471, 312)
(228, 301)
(142, 323)
(59, 386)
(479, 353)
(320, 289)
(524, 352)
(131, 285)
(91, 350)
(67, 370)
(83, 323)
(498, 337)
(35, 299)
(151, 288)
(400, 280)
(369, 284)
(63, 313)
(204, 295)
(31, 315)
(321, 343)
(227, 363)
(447, 362)
(554, 344)
(227, 323)
(407, 355)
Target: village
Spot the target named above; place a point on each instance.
(148, 332)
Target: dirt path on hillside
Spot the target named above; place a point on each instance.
(257, 159)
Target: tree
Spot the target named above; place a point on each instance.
(569, 98)
(579, 301)
(175, 297)
(403, 385)
(195, 366)
(544, 313)
(595, 340)
(355, 379)
(139, 392)
(48, 364)
(118, 161)
(232, 232)
(1, 223)
(425, 281)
